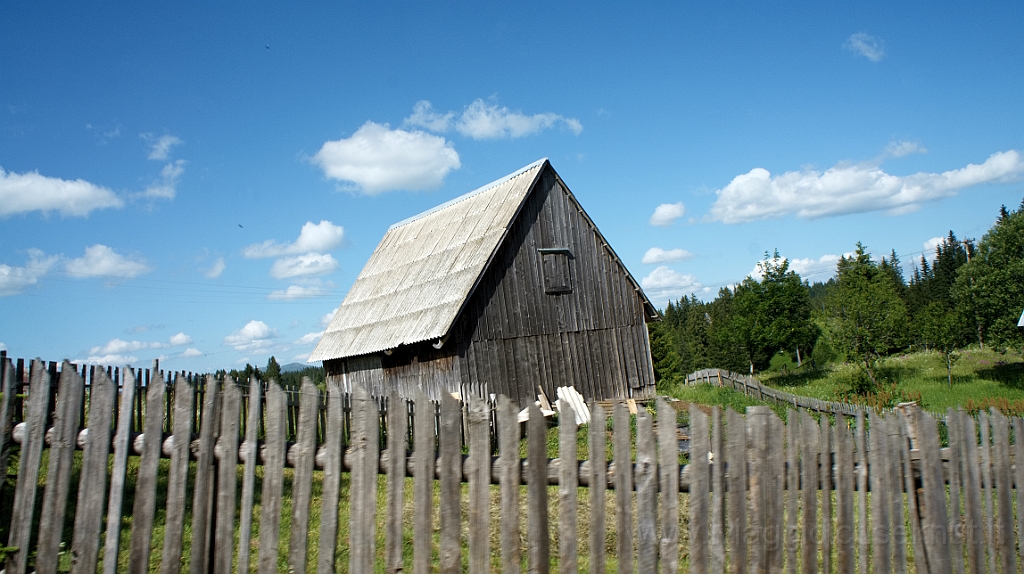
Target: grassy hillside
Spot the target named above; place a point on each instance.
(981, 378)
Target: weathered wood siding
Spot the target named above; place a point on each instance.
(513, 335)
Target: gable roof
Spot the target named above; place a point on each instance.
(425, 268)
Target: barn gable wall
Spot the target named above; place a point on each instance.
(515, 336)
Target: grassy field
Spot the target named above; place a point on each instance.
(981, 378)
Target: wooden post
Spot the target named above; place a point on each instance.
(809, 484)
(273, 477)
(537, 493)
(250, 448)
(85, 543)
(598, 485)
(510, 474)
(736, 453)
(397, 440)
(479, 484)
(423, 481)
(145, 489)
(364, 450)
(717, 534)
(699, 447)
(177, 481)
(568, 482)
(668, 466)
(302, 486)
(451, 476)
(623, 488)
(647, 494)
(58, 472)
(227, 479)
(333, 466)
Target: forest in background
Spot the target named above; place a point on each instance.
(968, 293)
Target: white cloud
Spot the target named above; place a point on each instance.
(303, 265)
(310, 338)
(480, 120)
(319, 237)
(665, 284)
(100, 260)
(192, 352)
(848, 188)
(254, 336)
(807, 268)
(865, 45)
(25, 192)
(298, 292)
(166, 187)
(902, 149)
(120, 347)
(424, 116)
(14, 280)
(160, 147)
(667, 213)
(326, 319)
(215, 270)
(659, 255)
(3, 347)
(111, 360)
(378, 159)
(932, 244)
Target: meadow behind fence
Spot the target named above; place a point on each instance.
(254, 477)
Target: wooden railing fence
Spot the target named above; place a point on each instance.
(752, 387)
(872, 492)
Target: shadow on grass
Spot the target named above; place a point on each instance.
(1010, 375)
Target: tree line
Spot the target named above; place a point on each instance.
(969, 293)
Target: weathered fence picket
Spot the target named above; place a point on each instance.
(762, 495)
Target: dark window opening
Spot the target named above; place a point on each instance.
(555, 263)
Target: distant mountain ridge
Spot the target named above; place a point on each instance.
(292, 367)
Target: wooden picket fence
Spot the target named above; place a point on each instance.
(868, 493)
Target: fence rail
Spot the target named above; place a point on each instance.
(750, 386)
(757, 494)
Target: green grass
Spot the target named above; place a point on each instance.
(980, 378)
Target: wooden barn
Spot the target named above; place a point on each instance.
(502, 290)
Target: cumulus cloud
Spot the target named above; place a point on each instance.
(933, 244)
(214, 271)
(192, 352)
(298, 292)
(667, 213)
(255, 336)
(665, 284)
(160, 147)
(110, 360)
(306, 265)
(14, 280)
(25, 192)
(847, 188)
(865, 45)
(166, 186)
(377, 159)
(326, 319)
(121, 347)
(313, 237)
(309, 338)
(424, 116)
(482, 120)
(100, 260)
(659, 255)
(902, 149)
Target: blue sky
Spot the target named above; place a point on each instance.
(203, 182)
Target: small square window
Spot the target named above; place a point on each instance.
(555, 263)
